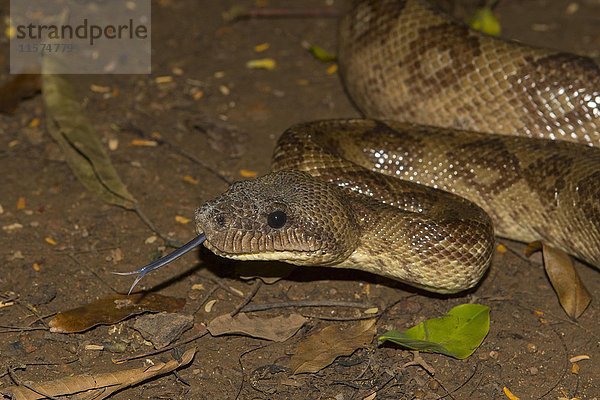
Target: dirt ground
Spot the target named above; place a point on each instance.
(228, 117)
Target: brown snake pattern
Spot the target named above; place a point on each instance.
(335, 199)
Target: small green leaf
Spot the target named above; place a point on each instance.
(321, 54)
(457, 334)
(485, 21)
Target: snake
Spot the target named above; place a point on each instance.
(465, 136)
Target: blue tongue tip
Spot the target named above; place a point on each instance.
(161, 262)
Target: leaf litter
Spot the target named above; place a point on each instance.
(112, 309)
(70, 128)
(97, 386)
(320, 349)
(277, 329)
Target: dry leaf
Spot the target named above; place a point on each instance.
(182, 220)
(163, 79)
(278, 329)
(263, 63)
(77, 138)
(320, 349)
(209, 305)
(144, 143)
(100, 89)
(572, 294)
(21, 203)
(509, 394)
(17, 88)
(112, 309)
(259, 48)
(582, 357)
(191, 180)
(247, 173)
(97, 386)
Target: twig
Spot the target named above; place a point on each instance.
(248, 298)
(242, 366)
(462, 385)
(18, 382)
(225, 287)
(419, 362)
(152, 353)
(32, 309)
(304, 303)
(11, 329)
(91, 271)
(565, 357)
(168, 242)
(196, 160)
(359, 318)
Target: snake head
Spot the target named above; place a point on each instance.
(287, 216)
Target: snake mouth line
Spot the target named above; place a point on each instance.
(298, 257)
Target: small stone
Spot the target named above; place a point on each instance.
(533, 371)
(531, 348)
(162, 329)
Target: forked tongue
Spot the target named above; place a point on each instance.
(161, 262)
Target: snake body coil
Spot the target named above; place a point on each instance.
(334, 197)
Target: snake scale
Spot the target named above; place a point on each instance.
(480, 118)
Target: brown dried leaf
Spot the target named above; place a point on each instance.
(102, 385)
(112, 309)
(69, 126)
(18, 88)
(320, 349)
(572, 294)
(278, 329)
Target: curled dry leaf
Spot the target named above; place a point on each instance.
(96, 386)
(278, 329)
(112, 309)
(572, 294)
(582, 357)
(320, 349)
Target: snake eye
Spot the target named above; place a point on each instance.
(276, 219)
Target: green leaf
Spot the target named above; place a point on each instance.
(321, 54)
(457, 334)
(79, 142)
(485, 21)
